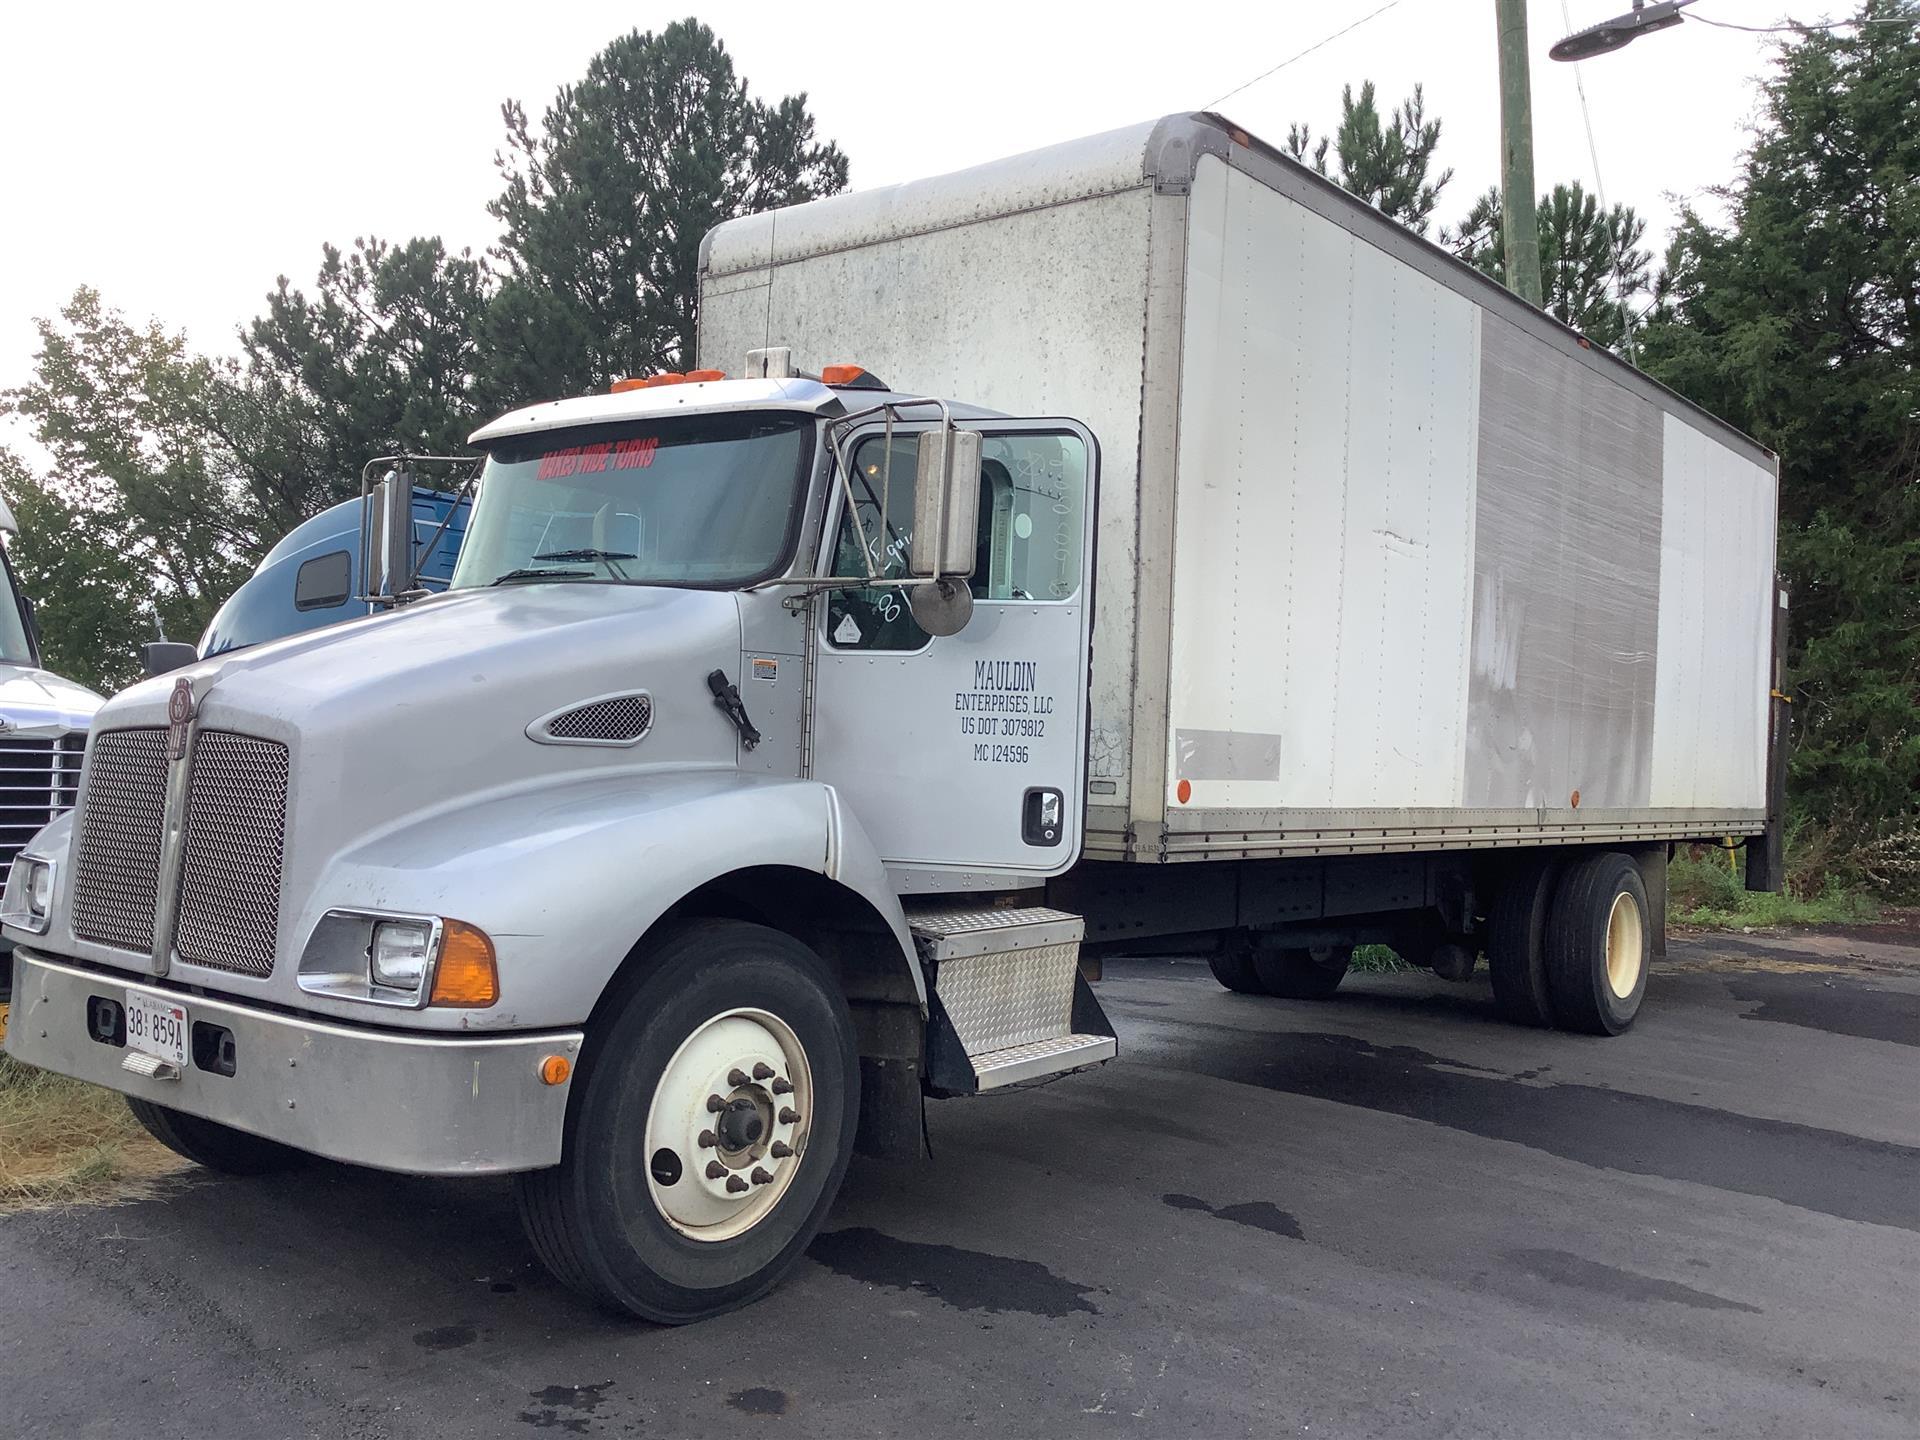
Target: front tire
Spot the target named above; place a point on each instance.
(211, 1145)
(1303, 974)
(666, 1205)
(1599, 945)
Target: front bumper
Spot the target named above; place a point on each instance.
(417, 1103)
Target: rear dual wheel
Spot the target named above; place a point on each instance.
(1569, 943)
(709, 1130)
(1598, 945)
(1290, 974)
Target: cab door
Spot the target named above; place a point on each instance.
(963, 756)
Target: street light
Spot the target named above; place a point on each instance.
(1620, 31)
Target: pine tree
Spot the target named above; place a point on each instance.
(1386, 165)
(605, 206)
(1592, 268)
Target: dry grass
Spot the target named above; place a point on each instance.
(64, 1142)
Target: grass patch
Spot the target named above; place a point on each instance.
(1703, 891)
(64, 1142)
(1378, 958)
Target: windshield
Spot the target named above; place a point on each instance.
(15, 647)
(708, 501)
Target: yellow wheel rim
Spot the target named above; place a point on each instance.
(1625, 945)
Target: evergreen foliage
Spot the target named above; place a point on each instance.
(1797, 322)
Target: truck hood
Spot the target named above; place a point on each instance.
(392, 717)
(32, 699)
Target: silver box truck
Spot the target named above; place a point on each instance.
(1216, 566)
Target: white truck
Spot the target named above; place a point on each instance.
(784, 744)
(43, 727)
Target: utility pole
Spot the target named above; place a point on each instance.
(1518, 223)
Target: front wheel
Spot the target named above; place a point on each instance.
(712, 1123)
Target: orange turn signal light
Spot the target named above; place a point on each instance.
(466, 977)
(555, 1069)
(696, 376)
(632, 382)
(841, 374)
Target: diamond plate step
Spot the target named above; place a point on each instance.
(1009, 1003)
(1004, 976)
(1042, 1058)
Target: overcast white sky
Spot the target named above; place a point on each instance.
(178, 157)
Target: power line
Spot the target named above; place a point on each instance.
(1794, 27)
(1303, 54)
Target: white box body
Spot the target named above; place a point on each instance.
(1388, 560)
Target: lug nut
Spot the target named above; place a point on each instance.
(781, 1150)
(736, 1077)
(715, 1104)
(735, 1185)
(762, 1071)
(761, 1177)
(708, 1140)
(789, 1115)
(715, 1170)
(782, 1087)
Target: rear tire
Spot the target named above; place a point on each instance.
(1232, 966)
(214, 1146)
(632, 1217)
(1303, 974)
(1599, 945)
(1517, 943)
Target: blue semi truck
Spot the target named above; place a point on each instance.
(315, 577)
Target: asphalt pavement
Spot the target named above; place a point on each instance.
(1384, 1215)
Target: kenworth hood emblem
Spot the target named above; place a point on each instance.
(179, 717)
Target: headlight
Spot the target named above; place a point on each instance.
(29, 895)
(399, 953)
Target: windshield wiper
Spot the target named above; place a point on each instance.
(541, 575)
(605, 557)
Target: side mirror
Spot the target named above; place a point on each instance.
(388, 548)
(161, 657)
(946, 504)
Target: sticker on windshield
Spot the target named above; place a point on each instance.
(846, 632)
(635, 454)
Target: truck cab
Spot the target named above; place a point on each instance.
(43, 730)
(609, 849)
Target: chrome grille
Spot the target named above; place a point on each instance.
(616, 720)
(230, 863)
(117, 870)
(38, 781)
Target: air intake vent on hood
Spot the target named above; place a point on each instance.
(610, 720)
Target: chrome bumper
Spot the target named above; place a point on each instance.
(420, 1104)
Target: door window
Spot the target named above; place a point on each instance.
(1027, 548)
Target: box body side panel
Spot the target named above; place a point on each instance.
(1440, 582)
(1325, 519)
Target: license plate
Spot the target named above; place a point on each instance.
(157, 1028)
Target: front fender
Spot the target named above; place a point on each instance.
(567, 877)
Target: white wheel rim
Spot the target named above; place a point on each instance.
(730, 1163)
(1624, 941)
